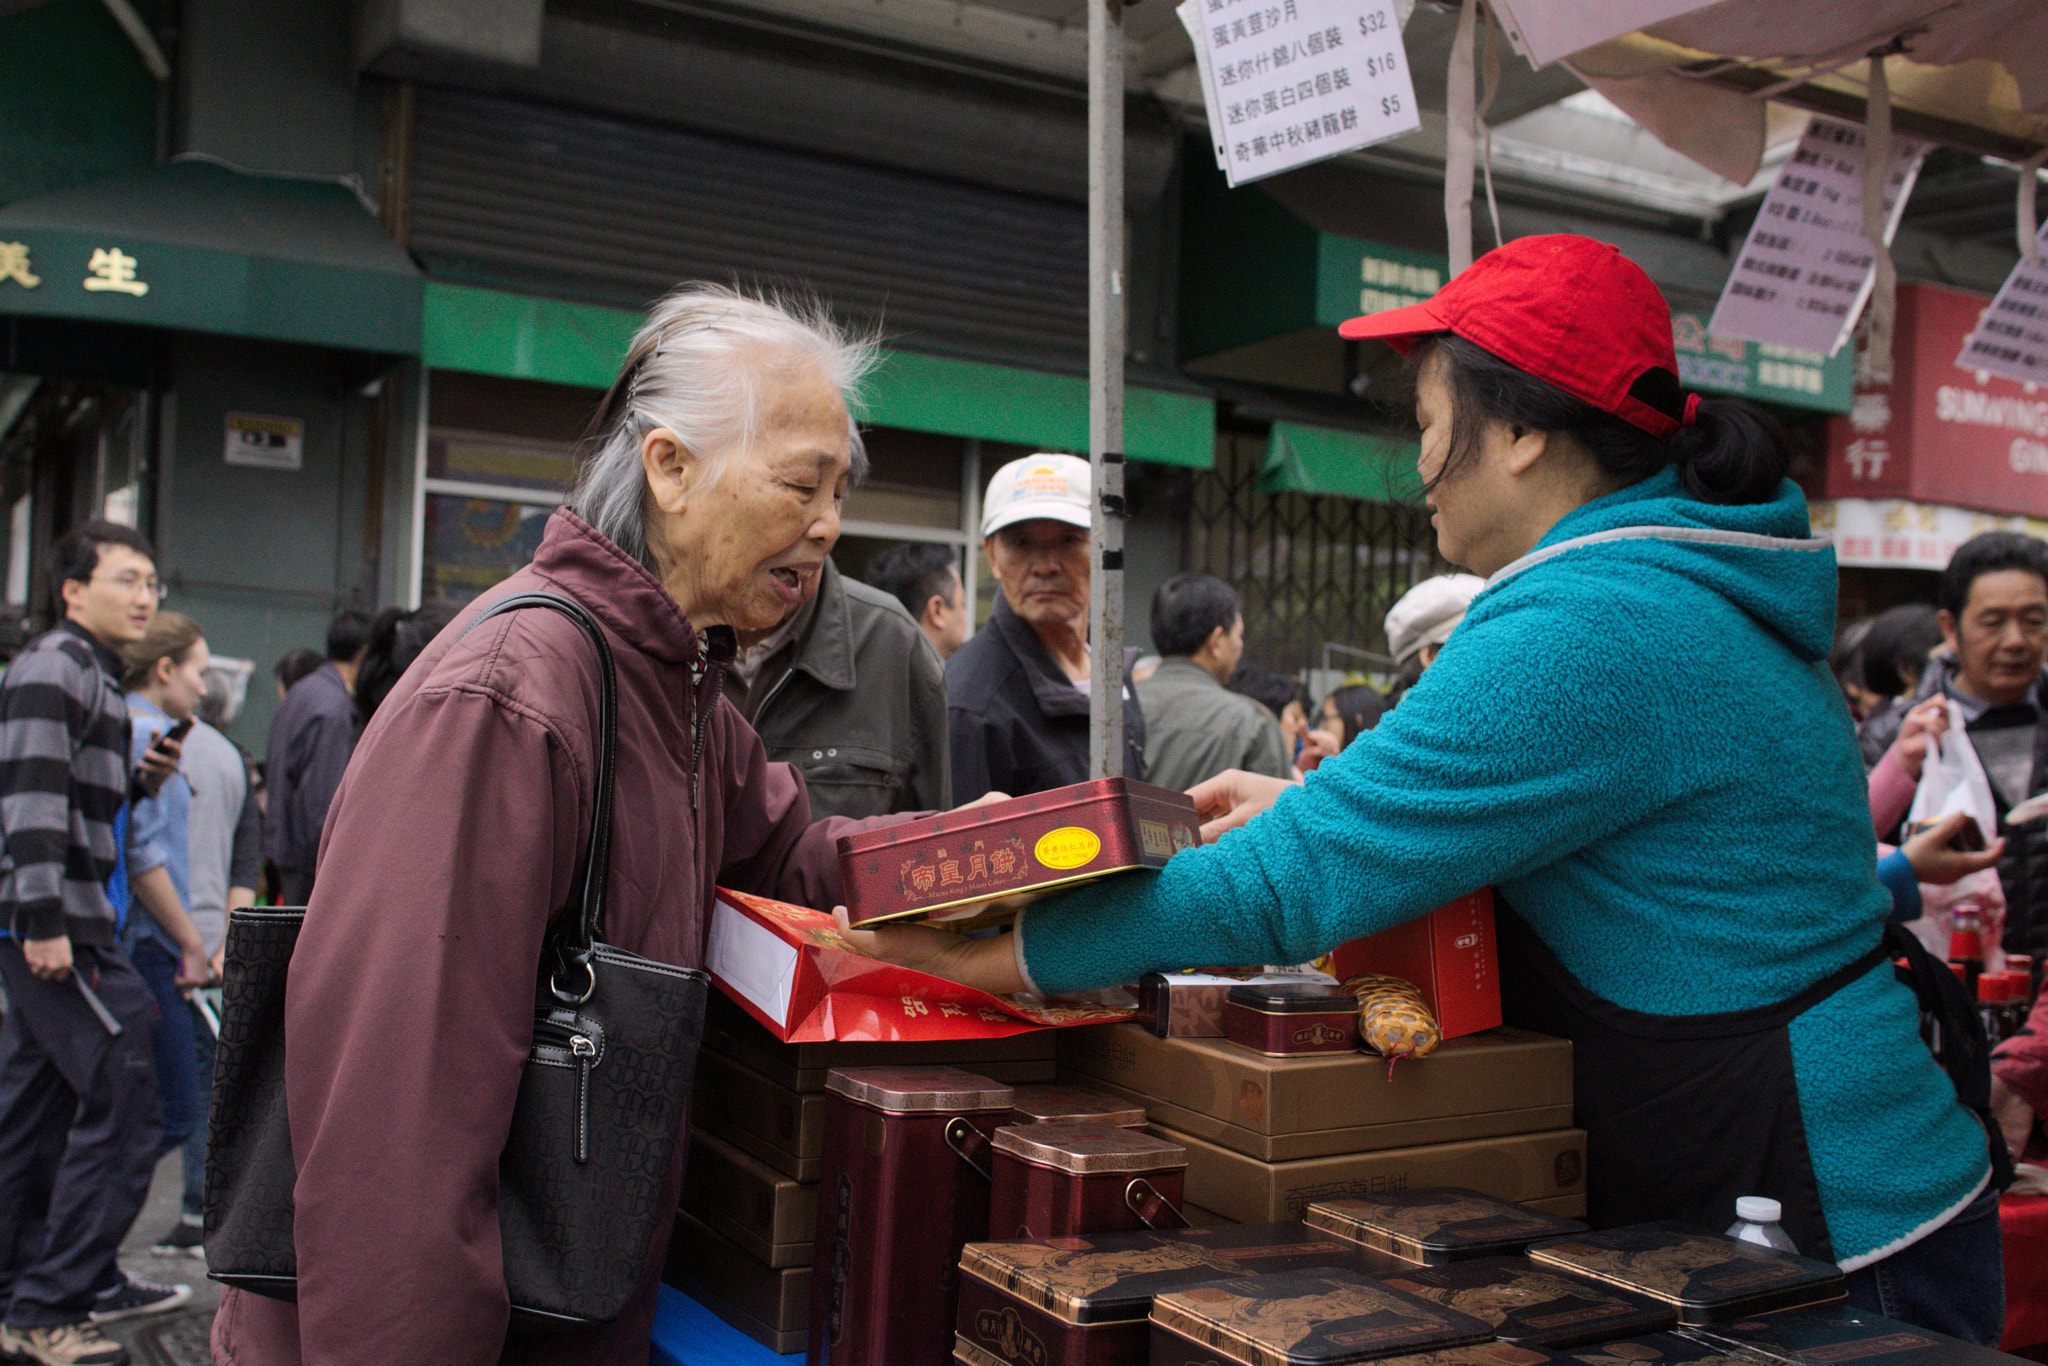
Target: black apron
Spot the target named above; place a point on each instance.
(1682, 1113)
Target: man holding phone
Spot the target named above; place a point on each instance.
(80, 1112)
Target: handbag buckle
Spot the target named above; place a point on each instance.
(567, 995)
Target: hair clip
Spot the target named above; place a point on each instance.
(640, 368)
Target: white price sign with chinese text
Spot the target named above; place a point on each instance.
(1806, 268)
(1294, 81)
(2011, 336)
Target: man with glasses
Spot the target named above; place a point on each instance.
(1017, 692)
(80, 1114)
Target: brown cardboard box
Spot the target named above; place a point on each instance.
(775, 1125)
(1519, 1167)
(772, 1216)
(1332, 1142)
(730, 1031)
(1480, 1074)
(1571, 1206)
(772, 1307)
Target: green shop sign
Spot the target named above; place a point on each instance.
(1354, 277)
(1762, 372)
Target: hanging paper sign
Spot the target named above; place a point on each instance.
(2011, 336)
(1806, 267)
(1289, 82)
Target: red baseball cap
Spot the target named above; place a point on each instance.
(1567, 309)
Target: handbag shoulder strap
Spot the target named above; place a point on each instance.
(575, 942)
(1958, 1043)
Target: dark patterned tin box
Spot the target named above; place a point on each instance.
(1083, 1301)
(980, 865)
(1657, 1349)
(1837, 1333)
(1705, 1276)
(1439, 1224)
(1535, 1305)
(1476, 1354)
(1324, 1316)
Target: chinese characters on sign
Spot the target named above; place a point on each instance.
(1806, 268)
(14, 265)
(1770, 371)
(114, 269)
(2011, 337)
(109, 268)
(1294, 81)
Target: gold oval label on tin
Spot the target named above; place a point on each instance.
(1070, 846)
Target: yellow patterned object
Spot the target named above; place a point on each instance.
(1393, 1017)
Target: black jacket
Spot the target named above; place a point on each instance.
(1017, 724)
(860, 711)
(2024, 869)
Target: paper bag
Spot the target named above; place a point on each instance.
(792, 970)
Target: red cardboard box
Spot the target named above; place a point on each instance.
(979, 865)
(1451, 955)
(789, 968)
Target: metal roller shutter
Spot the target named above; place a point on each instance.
(536, 197)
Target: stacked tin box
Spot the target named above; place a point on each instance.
(1267, 1135)
(743, 1240)
(1439, 1277)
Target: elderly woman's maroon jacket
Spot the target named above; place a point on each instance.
(454, 838)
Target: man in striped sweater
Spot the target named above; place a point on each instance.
(80, 1114)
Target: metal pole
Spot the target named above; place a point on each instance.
(1106, 329)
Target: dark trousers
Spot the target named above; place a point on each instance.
(1952, 1281)
(79, 1123)
(294, 886)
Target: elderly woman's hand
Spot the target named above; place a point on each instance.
(988, 965)
(1231, 798)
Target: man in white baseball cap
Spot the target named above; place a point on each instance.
(1423, 619)
(1017, 691)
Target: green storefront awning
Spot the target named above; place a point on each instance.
(1327, 461)
(488, 332)
(197, 246)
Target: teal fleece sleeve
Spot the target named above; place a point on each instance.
(1517, 748)
(1896, 873)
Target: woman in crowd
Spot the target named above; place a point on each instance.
(1350, 712)
(397, 637)
(165, 678)
(1635, 739)
(720, 461)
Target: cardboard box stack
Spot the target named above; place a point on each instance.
(743, 1241)
(1266, 1136)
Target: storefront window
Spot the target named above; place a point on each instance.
(498, 456)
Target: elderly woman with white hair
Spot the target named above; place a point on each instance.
(721, 458)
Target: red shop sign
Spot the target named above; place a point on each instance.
(1939, 434)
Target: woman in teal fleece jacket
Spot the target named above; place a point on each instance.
(1635, 738)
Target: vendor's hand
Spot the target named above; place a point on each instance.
(1916, 732)
(219, 962)
(49, 959)
(1316, 746)
(1934, 861)
(2014, 1117)
(1230, 799)
(985, 799)
(988, 965)
(195, 969)
(159, 762)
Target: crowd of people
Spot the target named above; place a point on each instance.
(425, 793)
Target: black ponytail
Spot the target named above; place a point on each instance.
(1736, 454)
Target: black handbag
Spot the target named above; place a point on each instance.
(601, 1098)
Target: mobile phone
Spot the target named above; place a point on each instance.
(1969, 839)
(178, 732)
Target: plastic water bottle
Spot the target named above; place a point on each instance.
(1756, 1221)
